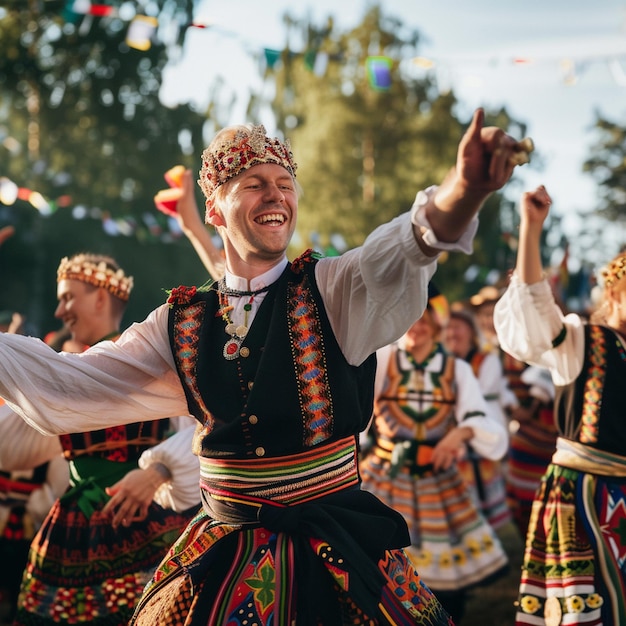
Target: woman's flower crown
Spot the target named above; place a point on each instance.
(614, 271)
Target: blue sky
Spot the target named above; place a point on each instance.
(575, 53)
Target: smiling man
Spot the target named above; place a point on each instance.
(276, 362)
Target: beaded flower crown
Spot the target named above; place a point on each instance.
(614, 271)
(247, 148)
(91, 270)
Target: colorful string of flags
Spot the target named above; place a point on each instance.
(144, 29)
(128, 226)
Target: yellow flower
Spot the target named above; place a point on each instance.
(575, 604)
(445, 560)
(529, 604)
(421, 559)
(458, 555)
(594, 600)
(474, 547)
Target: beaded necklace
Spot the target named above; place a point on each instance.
(232, 347)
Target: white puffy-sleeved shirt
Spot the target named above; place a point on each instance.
(492, 383)
(135, 378)
(527, 320)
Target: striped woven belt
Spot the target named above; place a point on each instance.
(233, 491)
(411, 453)
(579, 457)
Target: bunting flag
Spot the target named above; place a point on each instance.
(379, 72)
(85, 7)
(140, 32)
(271, 57)
(127, 226)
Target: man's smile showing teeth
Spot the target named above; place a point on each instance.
(271, 217)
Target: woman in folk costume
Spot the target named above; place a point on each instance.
(276, 362)
(103, 538)
(528, 403)
(573, 569)
(428, 408)
(533, 436)
(484, 477)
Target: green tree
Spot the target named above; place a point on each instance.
(364, 150)
(607, 165)
(81, 120)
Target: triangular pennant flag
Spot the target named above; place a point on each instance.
(101, 10)
(69, 12)
(140, 32)
(271, 57)
(379, 72)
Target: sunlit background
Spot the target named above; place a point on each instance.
(91, 92)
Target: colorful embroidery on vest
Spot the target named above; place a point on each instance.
(297, 265)
(592, 399)
(411, 402)
(310, 363)
(187, 323)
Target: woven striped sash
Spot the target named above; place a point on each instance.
(589, 460)
(234, 491)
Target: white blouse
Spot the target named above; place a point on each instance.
(527, 320)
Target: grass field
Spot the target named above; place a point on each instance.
(494, 605)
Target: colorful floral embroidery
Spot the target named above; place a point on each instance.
(187, 323)
(594, 601)
(593, 387)
(529, 604)
(310, 362)
(297, 265)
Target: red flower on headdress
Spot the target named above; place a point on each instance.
(181, 294)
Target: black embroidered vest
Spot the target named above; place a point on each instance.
(591, 408)
(290, 388)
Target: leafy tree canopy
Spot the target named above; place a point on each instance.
(81, 120)
(364, 150)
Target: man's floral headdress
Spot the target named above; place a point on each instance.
(247, 148)
(614, 271)
(90, 269)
